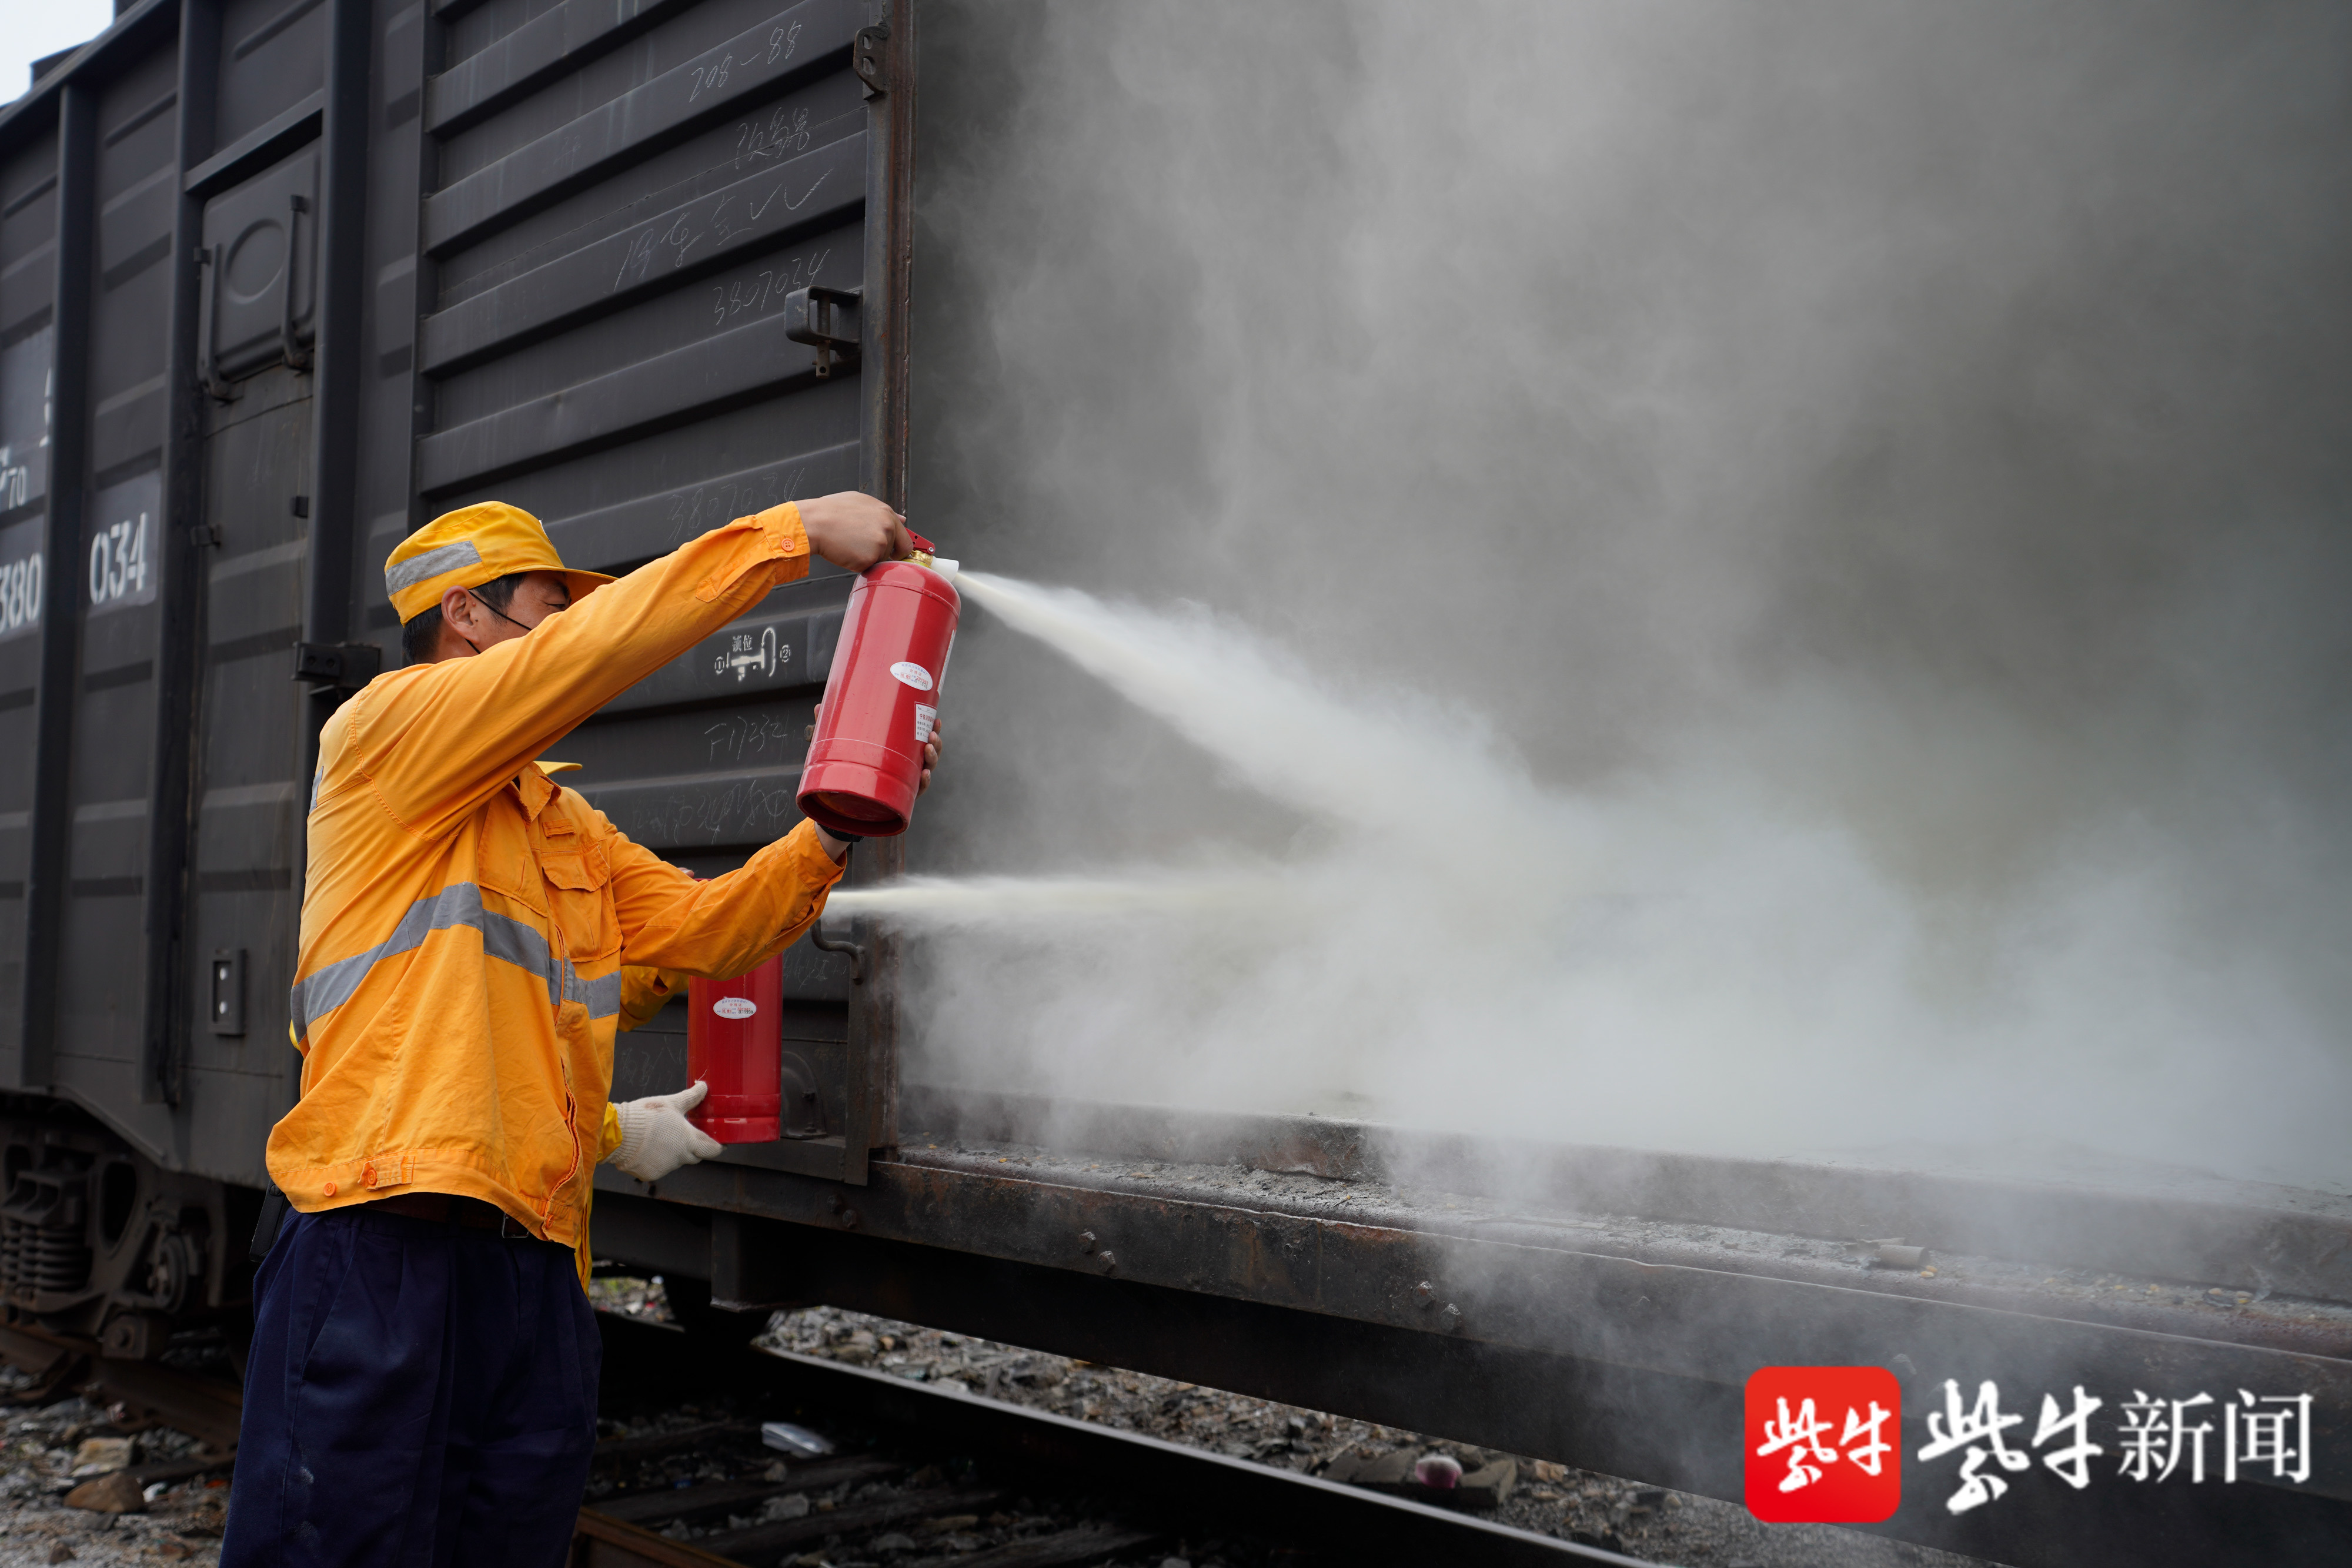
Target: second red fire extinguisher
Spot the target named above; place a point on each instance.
(734, 1043)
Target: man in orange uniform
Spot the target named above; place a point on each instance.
(422, 1387)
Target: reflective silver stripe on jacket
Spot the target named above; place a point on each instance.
(503, 938)
(432, 563)
(603, 994)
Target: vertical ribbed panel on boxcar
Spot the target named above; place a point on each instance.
(28, 236)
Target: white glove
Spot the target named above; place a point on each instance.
(656, 1138)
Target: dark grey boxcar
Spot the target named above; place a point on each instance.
(279, 281)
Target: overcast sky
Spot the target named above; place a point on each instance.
(36, 28)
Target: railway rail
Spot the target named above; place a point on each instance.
(946, 1458)
(941, 1464)
(946, 1461)
(148, 1392)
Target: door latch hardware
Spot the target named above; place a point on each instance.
(801, 1114)
(296, 357)
(827, 319)
(208, 262)
(346, 666)
(228, 991)
(869, 57)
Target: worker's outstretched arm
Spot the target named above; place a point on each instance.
(673, 924)
(726, 924)
(462, 727)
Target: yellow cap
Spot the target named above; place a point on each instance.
(470, 546)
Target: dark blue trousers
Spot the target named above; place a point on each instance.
(417, 1394)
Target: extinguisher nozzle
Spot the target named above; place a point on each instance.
(943, 566)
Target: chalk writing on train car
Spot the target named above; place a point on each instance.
(753, 736)
(688, 228)
(784, 131)
(707, 506)
(711, 78)
(766, 288)
(748, 808)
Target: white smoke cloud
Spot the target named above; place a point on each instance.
(1777, 571)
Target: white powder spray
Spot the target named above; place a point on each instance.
(1048, 906)
(1687, 963)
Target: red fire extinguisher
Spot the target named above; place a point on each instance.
(734, 1042)
(882, 697)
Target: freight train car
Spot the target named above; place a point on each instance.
(282, 279)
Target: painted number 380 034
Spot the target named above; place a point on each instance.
(117, 561)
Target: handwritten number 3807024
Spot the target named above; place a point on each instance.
(733, 300)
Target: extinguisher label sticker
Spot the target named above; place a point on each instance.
(924, 715)
(734, 1007)
(914, 676)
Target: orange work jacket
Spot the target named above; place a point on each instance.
(465, 919)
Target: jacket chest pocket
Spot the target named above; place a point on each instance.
(580, 900)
